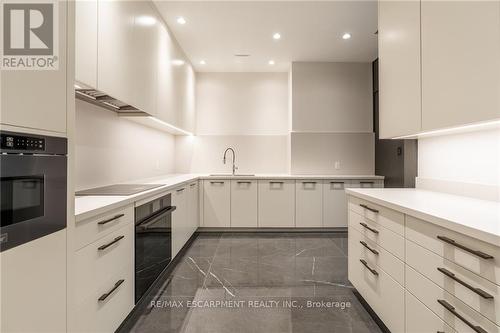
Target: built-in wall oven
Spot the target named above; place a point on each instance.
(33, 180)
(153, 242)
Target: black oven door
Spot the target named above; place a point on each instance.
(33, 197)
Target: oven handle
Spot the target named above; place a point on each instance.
(145, 223)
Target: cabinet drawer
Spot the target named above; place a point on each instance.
(431, 295)
(475, 291)
(485, 263)
(381, 292)
(94, 315)
(100, 261)
(386, 238)
(420, 319)
(374, 254)
(388, 218)
(90, 230)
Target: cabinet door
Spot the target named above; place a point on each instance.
(460, 62)
(166, 103)
(115, 72)
(244, 203)
(145, 64)
(37, 98)
(216, 203)
(334, 203)
(86, 42)
(309, 203)
(399, 68)
(179, 220)
(276, 203)
(193, 211)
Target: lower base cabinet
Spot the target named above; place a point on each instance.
(244, 204)
(184, 217)
(308, 203)
(276, 203)
(217, 203)
(334, 203)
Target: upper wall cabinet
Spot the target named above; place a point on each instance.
(116, 49)
(439, 64)
(37, 98)
(86, 42)
(460, 62)
(399, 68)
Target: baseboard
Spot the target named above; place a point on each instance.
(277, 230)
(370, 311)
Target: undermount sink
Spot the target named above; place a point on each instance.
(231, 175)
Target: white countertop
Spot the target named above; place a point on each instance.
(89, 206)
(473, 217)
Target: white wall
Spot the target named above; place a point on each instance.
(332, 97)
(246, 111)
(110, 149)
(316, 153)
(467, 163)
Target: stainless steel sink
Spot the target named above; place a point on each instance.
(231, 175)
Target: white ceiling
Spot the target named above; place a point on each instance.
(310, 30)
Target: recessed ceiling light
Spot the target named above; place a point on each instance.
(146, 20)
(181, 20)
(178, 62)
(271, 62)
(277, 36)
(346, 36)
(203, 62)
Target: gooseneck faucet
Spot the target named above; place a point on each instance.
(234, 159)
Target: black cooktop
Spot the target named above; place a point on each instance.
(118, 189)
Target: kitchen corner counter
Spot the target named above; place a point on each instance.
(89, 206)
(473, 217)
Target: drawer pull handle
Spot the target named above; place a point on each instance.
(243, 182)
(309, 182)
(180, 190)
(374, 272)
(193, 184)
(276, 182)
(465, 248)
(369, 208)
(451, 308)
(105, 246)
(452, 276)
(110, 219)
(117, 284)
(375, 231)
(213, 182)
(369, 248)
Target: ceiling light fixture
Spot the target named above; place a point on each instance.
(346, 36)
(203, 62)
(181, 20)
(277, 36)
(146, 20)
(271, 62)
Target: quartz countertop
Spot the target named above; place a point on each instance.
(473, 217)
(89, 206)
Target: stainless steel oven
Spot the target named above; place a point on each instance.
(153, 242)
(33, 187)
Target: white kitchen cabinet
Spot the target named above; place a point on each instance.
(460, 63)
(334, 203)
(180, 223)
(117, 49)
(145, 64)
(166, 103)
(309, 203)
(368, 183)
(37, 98)
(244, 203)
(420, 319)
(33, 284)
(193, 207)
(276, 203)
(86, 42)
(217, 203)
(399, 68)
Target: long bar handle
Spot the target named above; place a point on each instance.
(369, 208)
(375, 231)
(451, 308)
(374, 272)
(369, 248)
(105, 246)
(465, 248)
(110, 219)
(104, 296)
(452, 276)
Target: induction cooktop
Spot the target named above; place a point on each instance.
(118, 189)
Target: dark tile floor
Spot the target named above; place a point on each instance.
(257, 282)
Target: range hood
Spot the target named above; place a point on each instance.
(104, 100)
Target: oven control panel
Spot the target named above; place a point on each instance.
(17, 142)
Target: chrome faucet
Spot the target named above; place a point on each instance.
(234, 159)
